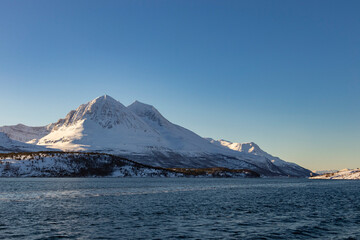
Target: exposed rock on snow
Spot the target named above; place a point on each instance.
(342, 174)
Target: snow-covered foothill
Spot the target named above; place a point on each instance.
(60, 164)
(79, 164)
(353, 174)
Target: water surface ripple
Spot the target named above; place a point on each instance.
(163, 208)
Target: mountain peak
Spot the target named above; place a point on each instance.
(139, 104)
(104, 110)
(105, 98)
(148, 113)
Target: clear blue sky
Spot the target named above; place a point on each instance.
(284, 74)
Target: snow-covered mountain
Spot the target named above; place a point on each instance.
(106, 124)
(23, 133)
(10, 145)
(254, 149)
(249, 147)
(139, 132)
(102, 124)
(321, 172)
(174, 137)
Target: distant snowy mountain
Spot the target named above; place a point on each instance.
(24, 133)
(321, 172)
(254, 149)
(10, 145)
(139, 132)
(240, 147)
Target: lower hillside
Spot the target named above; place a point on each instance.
(80, 164)
(216, 172)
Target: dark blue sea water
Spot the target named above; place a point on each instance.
(163, 208)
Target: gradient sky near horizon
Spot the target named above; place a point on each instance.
(283, 74)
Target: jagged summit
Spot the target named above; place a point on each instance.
(101, 123)
(105, 111)
(105, 98)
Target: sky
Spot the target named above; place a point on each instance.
(283, 74)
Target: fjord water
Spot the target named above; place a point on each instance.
(163, 208)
